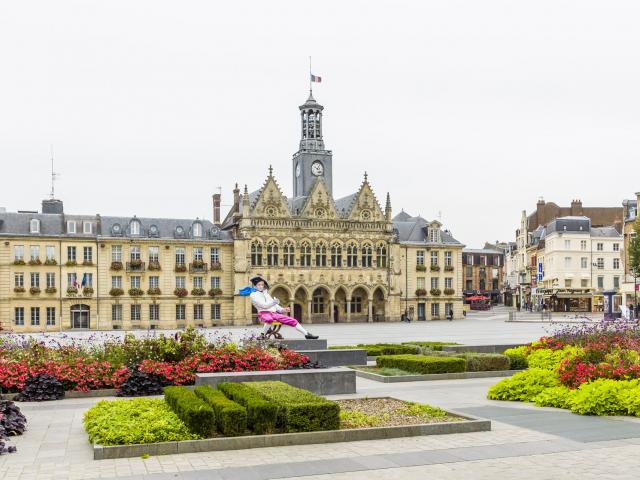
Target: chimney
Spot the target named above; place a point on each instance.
(236, 199)
(576, 208)
(216, 208)
(52, 206)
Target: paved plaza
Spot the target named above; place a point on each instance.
(525, 442)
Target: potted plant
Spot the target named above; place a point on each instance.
(180, 267)
(215, 291)
(180, 292)
(18, 261)
(435, 268)
(50, 290)
(135, 292)
(154, 291)
(135, 263)
(116, 292)
(155, 265)
(421, 268)
(421, 292)
(197, 264)
(50, 261)
(449, 291)
(19, 290)
(87, 291)
(87, 263)
(435, 292)
(197, 292)
(216, 266)
(35, 261)
(448, 268)
(34, 290)
(72, 291)
(116, 266)
(71, 263)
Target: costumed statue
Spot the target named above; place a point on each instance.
(269, 310)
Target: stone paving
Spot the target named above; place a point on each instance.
(525, 442)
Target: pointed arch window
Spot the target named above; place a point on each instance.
(289, 254)
(336, 255)
(272, 253)
(321, 255)
(352, 255)
(381, 256)
(256, 253)
(367, 255)
(305, 254)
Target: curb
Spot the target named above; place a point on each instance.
(470, 424)
(434, 376)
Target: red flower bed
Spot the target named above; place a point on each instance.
(575, 371)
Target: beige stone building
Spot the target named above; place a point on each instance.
(330, 259)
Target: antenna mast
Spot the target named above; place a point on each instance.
(53, 176)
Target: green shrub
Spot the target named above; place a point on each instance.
(483, 362)
(603, 397)
(127, 422)
(299, 410)
(197, 415)
(436, 346)
(629, 398)
(517, 357)
(524, 386)
(559, 397)
(231, 418)
(356, 419)
(422, 364)
(261, 414)
(550, 359)
(375, 349)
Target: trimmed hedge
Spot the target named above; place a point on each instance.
(299, 410)
(485, 362)
(435, 346)
(231, 418)
(422, 363)
(375, 349)
(261, 415)
(196, 414)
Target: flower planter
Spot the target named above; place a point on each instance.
(116, 292)
(180, 292)
(135, 292)
(180, 268)
(421, 268)
(72, 291)
(154, 291)
(87, 291)
(34, 290)
(448, 268)
(215, 292)
(116, 266)
(71, 263)
(197, 292)
(50, 261)
(19, 290)
(50, 290)
(449, 291)
(19, 262)
(35, 261)
(435, 292)
(421, 292)
(434, 268)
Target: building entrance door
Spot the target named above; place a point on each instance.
(80, 316)
(297, 312)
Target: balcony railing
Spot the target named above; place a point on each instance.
(135, 266)
(198, 267)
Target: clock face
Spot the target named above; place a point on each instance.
(317, 169)
(297, 170)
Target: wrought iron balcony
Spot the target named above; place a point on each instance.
(135, 266)
(198, 267)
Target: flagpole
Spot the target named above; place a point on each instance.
(310, 82)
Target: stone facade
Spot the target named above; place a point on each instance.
(330, 260)
(483, 272)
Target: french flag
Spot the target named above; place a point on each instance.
(315, 78)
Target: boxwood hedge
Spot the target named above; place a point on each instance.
(422, 364)
(261, 414)
(230, 417)
(197, 415)
(299, 410)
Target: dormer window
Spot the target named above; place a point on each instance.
(71, 226)
(197, 230)
(86, 227)
(434, 234)
(34, 225)
(134, 227)
(153, 231)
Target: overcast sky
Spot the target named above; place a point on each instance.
(469, 108)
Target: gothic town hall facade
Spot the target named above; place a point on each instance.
(330, 259)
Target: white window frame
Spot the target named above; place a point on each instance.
(18, 252)
(197, 230)
(116, 253)
(87, 228)
(197, 282)
(198, 311)
(116, 312)
(135, 312)
(50, 252)
(51, 279)
(154, 281)
(35, 316)
(419, 257)
(181, 311)
(214, 255)
(116, 281)
(18, 316)
(154, 312)
(18, 279)
(215, 311)
(71, 226)
(215, 282)
(51, 316)
(34, 226)
(135, 281)
(135, 227)
(181, 282)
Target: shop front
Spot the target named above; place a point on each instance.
(568, 301)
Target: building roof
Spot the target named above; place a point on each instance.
(343, 205)
(108, 226)
(573, 224)
(545, 212)
(604, 232)
(414, 230)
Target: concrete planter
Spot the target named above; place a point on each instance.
(336, 358)
(322, 381)
(470, 424)
(302, 344)
(434, 376)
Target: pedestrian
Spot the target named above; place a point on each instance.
(450, 314)
(269, 309)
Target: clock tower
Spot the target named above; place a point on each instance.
(311, 160)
